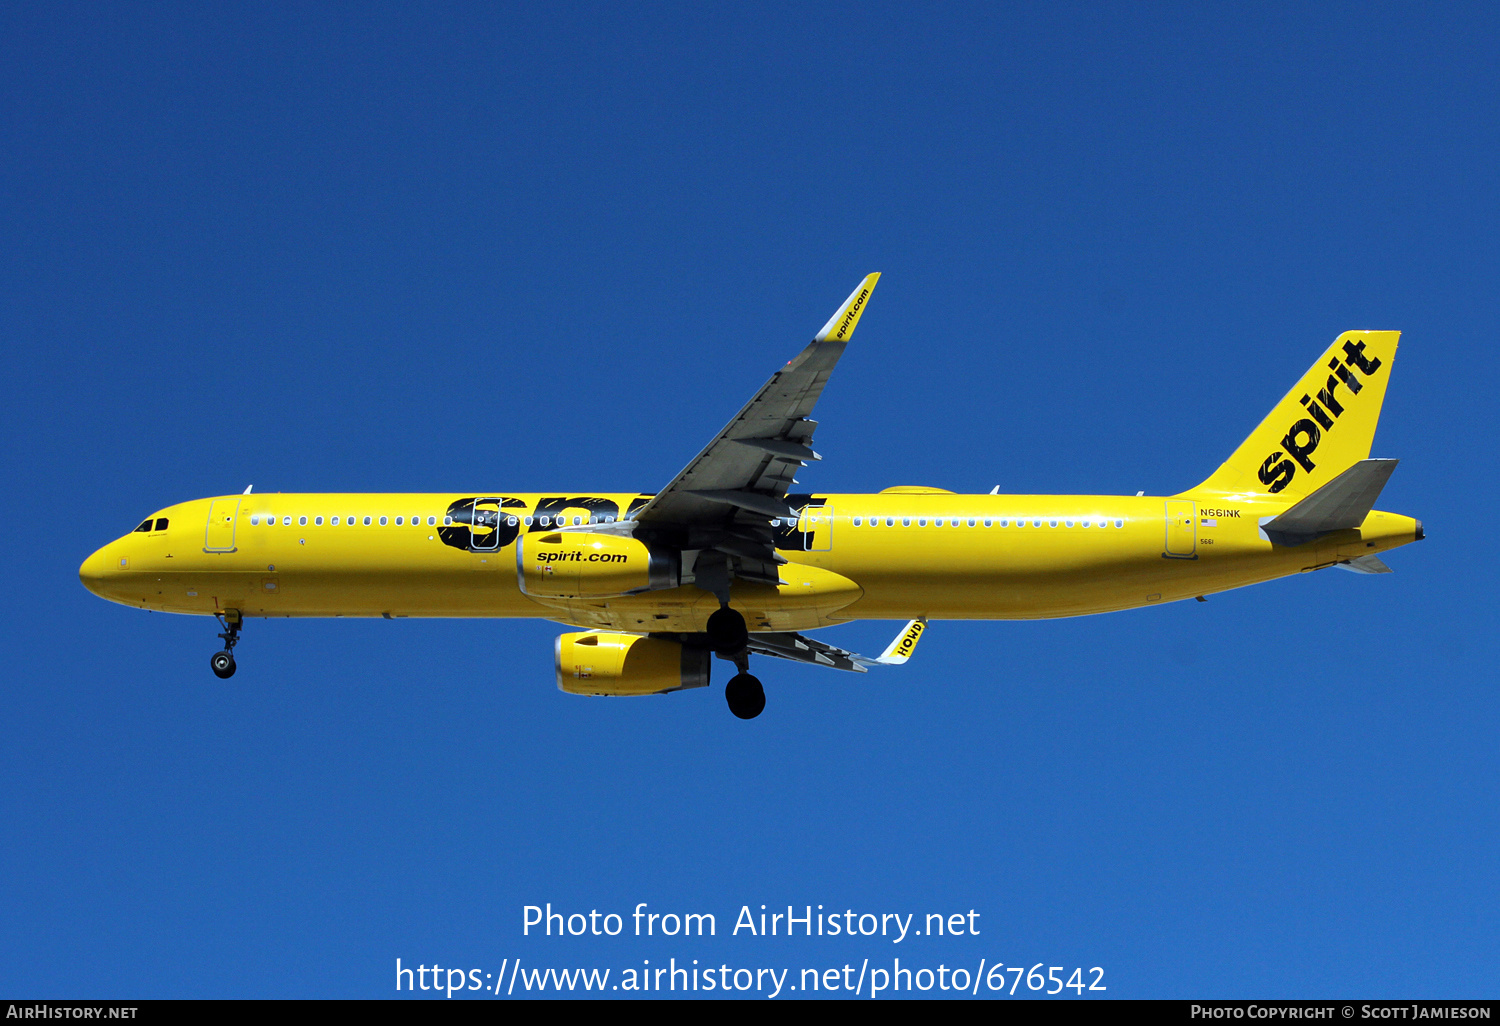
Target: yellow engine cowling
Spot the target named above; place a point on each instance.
(566, 565)
(605, 663)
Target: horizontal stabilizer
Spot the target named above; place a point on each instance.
(1365, 565)
(1340, 505)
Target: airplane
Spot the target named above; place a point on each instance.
(726, 561)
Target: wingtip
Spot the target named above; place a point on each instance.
(841, 325)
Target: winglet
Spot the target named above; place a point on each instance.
(900, 650)
(841, 325)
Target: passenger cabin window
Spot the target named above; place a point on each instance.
(367, 521)
(318, 521)
(399, 521)
(382, 522)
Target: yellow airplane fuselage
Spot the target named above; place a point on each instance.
(928, 555)
(725, 562)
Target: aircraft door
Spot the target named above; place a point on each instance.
(222, 514)
(816, 525)
(1182, 529)
(484, 529)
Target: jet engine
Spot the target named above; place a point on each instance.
(605, 663)
(567, 565)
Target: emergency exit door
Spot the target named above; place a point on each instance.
(816, 525)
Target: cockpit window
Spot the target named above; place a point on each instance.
(161, 523)
(146, 526)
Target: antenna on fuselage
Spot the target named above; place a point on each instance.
(995, 490)
(247, 489)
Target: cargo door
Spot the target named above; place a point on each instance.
(1182, 529)
(222, 514)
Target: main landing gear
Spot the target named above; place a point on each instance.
(745, 696)
(728, 636)
(222, 663)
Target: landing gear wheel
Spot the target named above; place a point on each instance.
(745, 696)
(727, 632)
(222, 663)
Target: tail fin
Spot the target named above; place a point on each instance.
(1321, 428)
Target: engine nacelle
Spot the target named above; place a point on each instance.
(606, 663)
(566, 565)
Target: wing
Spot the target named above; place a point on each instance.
(723, 501)
(800, 649)
(804, 650)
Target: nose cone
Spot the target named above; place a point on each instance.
(96, 570)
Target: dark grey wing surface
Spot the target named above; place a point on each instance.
(800, 649)
(723, 501)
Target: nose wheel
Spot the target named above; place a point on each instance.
(222, 663)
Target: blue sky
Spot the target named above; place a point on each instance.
(448, 248)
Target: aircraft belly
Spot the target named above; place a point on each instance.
(1023, 592)
(329, 593)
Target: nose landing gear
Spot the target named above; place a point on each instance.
(222, 663)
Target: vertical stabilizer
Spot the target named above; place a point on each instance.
(1322, 427)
